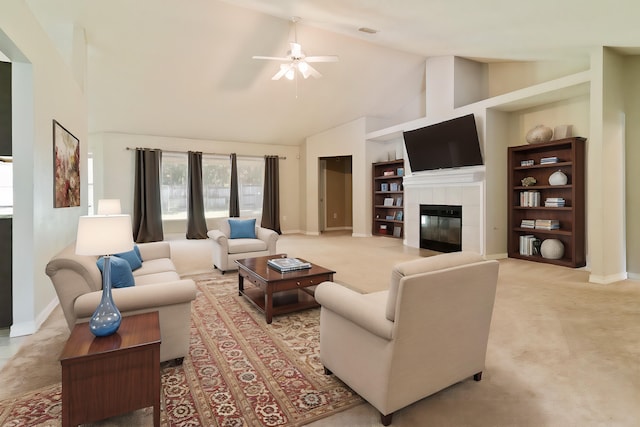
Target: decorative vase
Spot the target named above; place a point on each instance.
(552, 249)
(558, 178)
(106, 319)
(539, 133)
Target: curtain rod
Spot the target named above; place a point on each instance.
(209, 154)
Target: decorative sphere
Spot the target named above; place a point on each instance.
(539, 133)
(557, 178)
(552, 249)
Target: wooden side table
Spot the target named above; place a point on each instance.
(107, 376)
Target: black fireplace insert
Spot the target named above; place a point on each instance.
(441, 228)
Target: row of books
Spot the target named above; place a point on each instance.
(547, 160)
(529, 245)
(541, 224)
(390, 186)
(529, 198)
(554, 202)
(397, 230)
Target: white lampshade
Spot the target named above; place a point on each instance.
(109, 207)
(104, 235)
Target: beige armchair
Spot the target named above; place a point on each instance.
(427, 332)
(226, 250)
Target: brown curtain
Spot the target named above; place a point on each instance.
(196, 223)
(147, 212)
(271, 195)
(234, 201)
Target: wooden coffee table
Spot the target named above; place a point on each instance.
(107, 376)
(277, 293)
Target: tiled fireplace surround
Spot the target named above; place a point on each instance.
(463, 187)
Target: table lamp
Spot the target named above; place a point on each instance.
(109, 207)
(104, 235)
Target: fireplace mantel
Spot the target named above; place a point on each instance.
(445, 176)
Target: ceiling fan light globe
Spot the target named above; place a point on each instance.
(303, 67)
(290, 74)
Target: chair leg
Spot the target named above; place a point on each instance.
(327, 371)
(478, 376)
(386, 419)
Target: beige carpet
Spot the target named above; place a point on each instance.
(562, 351)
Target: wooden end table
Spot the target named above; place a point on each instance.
(107, 376)
(278, 293)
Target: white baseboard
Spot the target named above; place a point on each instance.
(360, 235)
(28, 328)
(608, 279)
(633, 276)
(496, 256)
(291, 231)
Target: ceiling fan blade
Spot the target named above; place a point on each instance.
(284, 68)
(271, 58)
(310, 71)
(324, 58)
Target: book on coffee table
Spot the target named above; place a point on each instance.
(288, 264)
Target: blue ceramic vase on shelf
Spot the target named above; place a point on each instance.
(106, 319)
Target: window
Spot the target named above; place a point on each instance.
(6, 186)
(90, 183)
(216, 179)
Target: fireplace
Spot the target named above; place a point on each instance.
(441, 228)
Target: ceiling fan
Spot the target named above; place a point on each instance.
(296, 59)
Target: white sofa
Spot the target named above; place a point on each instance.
(427, 332)
(158, 287)
(226, 250)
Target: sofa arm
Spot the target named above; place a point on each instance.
(355, 307)
(269, 236)
(219, 237)
(139, 297)
(155, 250)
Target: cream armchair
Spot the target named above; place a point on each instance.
(227, 249)
(427, 332)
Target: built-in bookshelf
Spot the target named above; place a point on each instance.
(541, 209)
(388, 200)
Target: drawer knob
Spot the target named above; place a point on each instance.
(298, 283)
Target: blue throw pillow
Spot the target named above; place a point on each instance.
(242, 228)
(132, 257)
(121, 275)
(137, 249)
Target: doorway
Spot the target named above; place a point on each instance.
(335, 207)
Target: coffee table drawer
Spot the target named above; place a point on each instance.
(300, 282)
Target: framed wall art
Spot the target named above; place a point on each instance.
(66, 167)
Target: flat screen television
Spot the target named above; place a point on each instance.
(450, 144)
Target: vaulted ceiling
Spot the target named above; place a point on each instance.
(184, 69)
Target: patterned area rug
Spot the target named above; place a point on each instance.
(240, 371)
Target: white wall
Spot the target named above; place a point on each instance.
(605, 164)
(43, 89)
(115, 169)
(632, 158)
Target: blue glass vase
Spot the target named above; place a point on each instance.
(106, 319)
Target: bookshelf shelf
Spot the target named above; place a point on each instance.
(571, 217)
(388, 198)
